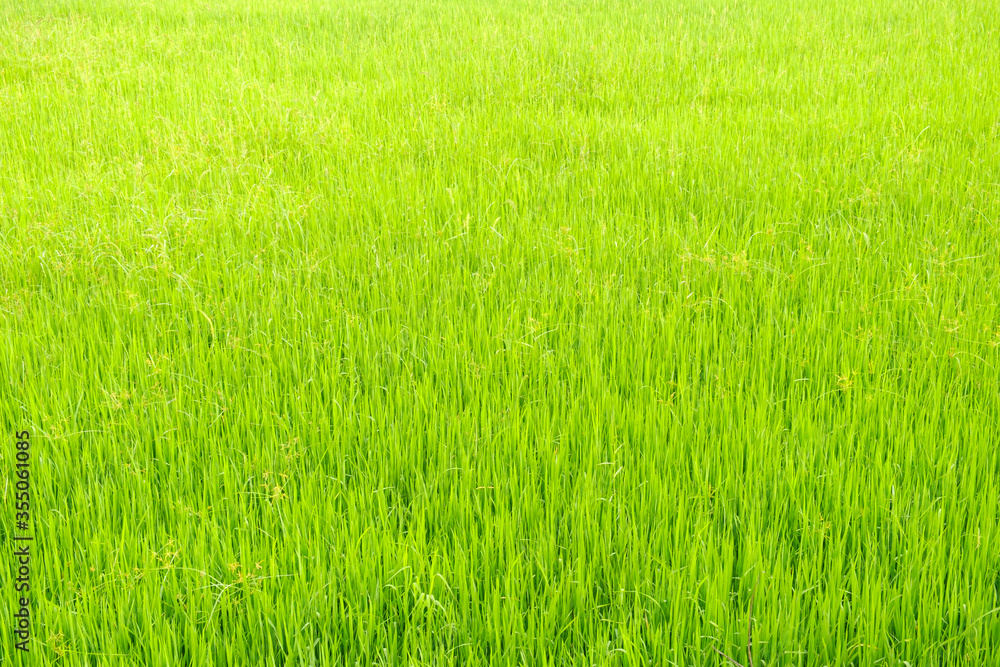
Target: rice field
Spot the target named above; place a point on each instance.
(441, 332)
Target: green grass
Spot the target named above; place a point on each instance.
(543, 333)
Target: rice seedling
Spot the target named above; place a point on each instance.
(428, 332)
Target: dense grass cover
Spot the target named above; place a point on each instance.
(443, 332)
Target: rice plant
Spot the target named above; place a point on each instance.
(440, 332)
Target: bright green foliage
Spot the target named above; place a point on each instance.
(515, 333)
